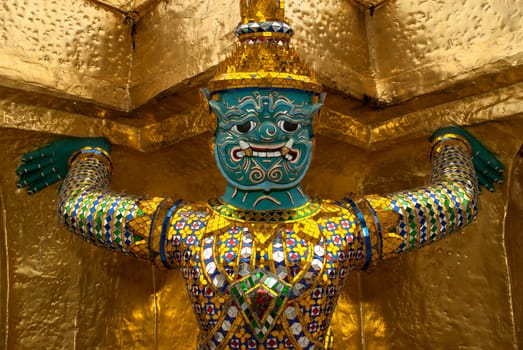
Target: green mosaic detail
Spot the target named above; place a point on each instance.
(451, 215)
(412, 227)
(260, 297)
(432, 220)
(83, 215)
(464, 203)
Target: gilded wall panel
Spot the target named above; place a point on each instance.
(331, 36)
(66, 48)
(122, 53)
(420, 47)
(178, 40)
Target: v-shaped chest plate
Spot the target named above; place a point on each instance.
(261, 276)
(260, 268)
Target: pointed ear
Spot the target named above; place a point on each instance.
(315, 115)
(214, 106)
(210, 108)
(217, 108)
(322, 97)
(317, 106)
(205, 94)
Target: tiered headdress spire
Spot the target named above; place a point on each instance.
(264, 57)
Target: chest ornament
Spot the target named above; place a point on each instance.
(260, 296)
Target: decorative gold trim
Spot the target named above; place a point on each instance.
(222, 209)
(264, 65)
(437, 143)
(92, 152)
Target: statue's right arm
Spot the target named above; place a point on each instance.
(124, 223)
(404, 221)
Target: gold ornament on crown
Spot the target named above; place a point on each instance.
(264, 57)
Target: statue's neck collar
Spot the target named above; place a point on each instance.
(259, 200)
(231, 212)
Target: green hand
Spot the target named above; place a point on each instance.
(489, 169)
(45, 166)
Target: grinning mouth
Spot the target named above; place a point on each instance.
(249, 150)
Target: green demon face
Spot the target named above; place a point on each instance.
(264, 137)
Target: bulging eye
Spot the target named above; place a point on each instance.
(288, 126)
(245, 127)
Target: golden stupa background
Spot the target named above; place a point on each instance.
(130, 70)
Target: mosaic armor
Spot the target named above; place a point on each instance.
(269, 279)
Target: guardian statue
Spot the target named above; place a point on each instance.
(264, 264)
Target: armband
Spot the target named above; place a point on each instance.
(436, 146)
(92, 152)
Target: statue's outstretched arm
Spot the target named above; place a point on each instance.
(404, 221)
(87, 207)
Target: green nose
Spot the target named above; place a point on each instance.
(268, 131)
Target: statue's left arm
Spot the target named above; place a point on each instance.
(124, 223)
(403, 221)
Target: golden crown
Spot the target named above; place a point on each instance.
(264, 57)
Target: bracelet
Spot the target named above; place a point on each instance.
(92, 152)
(159, 226)
(435, 146)
(165, 228)
(377, 224)
(365, 231)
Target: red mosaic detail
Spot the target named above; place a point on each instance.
(260, 302)
(231, 242)
(272, 343)
(331, 226)
(345, 224)
(315, 310)
(196, 225)
(312, 327)
(317, 293)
